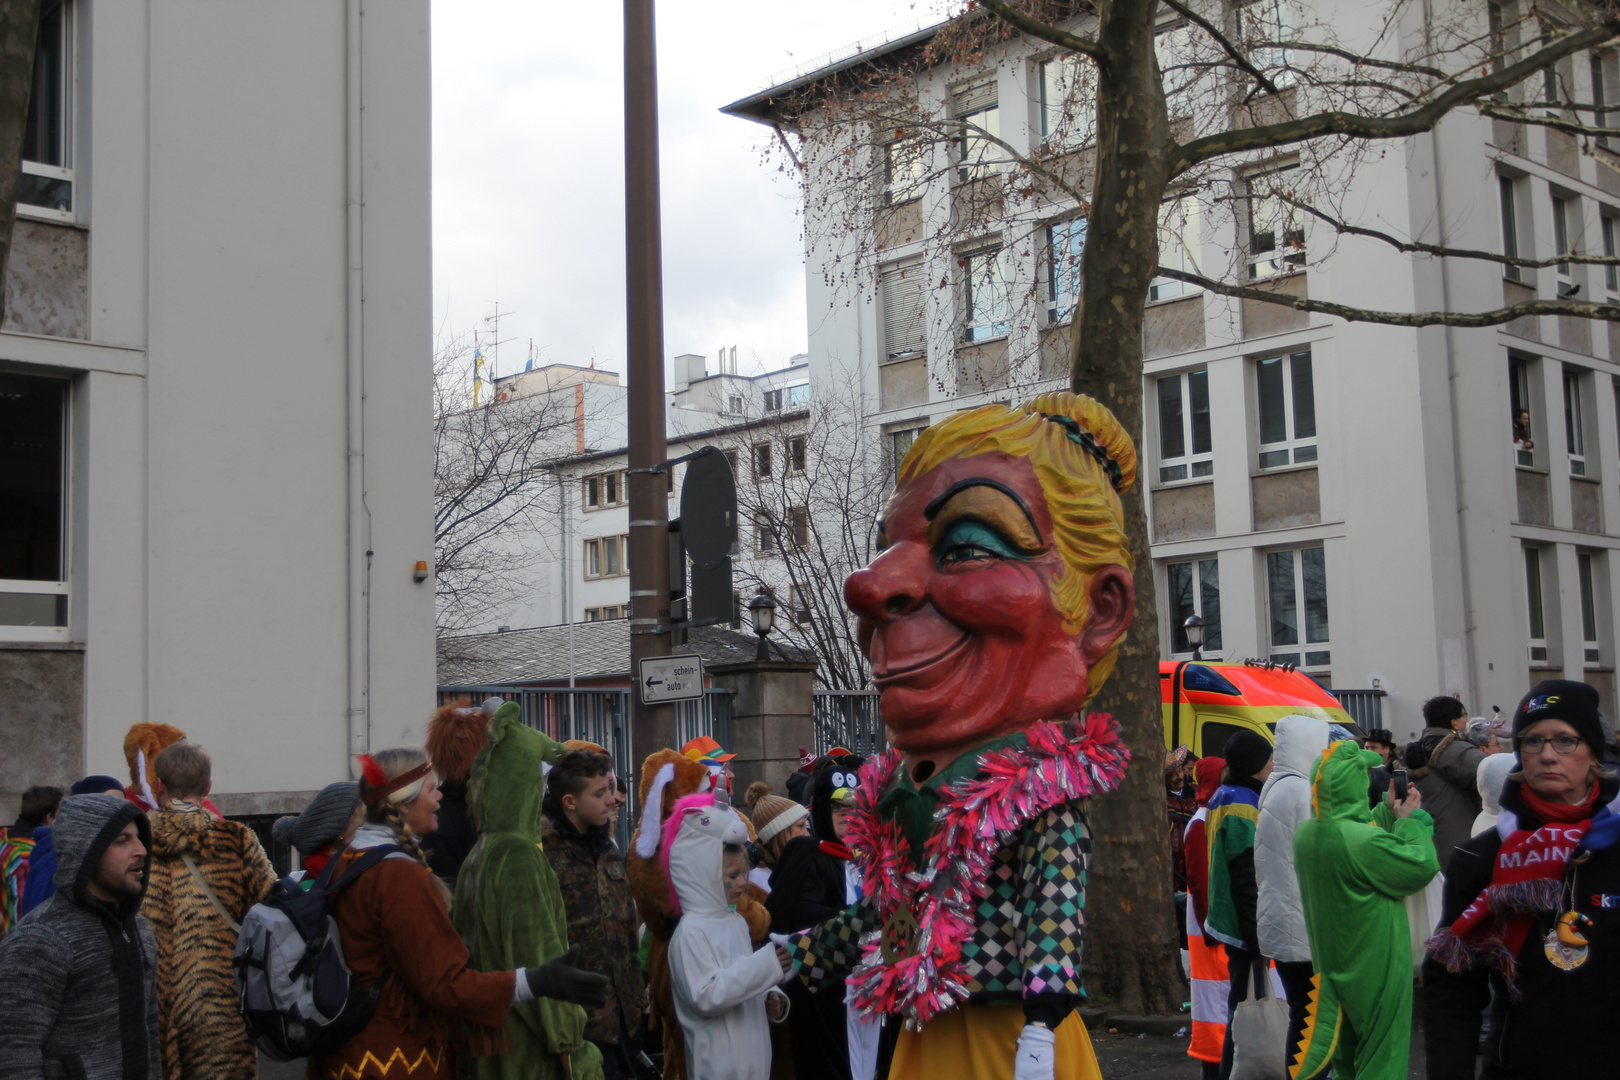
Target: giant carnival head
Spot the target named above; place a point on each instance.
(1004, 583)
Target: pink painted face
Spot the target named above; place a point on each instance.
(957, 617)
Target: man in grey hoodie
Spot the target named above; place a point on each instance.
(77, 1000)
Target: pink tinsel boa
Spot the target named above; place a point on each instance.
(974, 820)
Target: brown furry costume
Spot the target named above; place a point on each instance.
(656, 910)
(455, 735)
(202, 1034)
(142, 744)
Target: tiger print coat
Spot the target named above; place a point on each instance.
(202, 1034)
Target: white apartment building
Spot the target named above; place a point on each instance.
(215, 450)
(1346, 496)
(577, 554)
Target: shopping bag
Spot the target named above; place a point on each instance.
(1260, 1032)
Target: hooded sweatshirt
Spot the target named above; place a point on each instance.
(1492, 776)
(719, 978)
(1285, 801)
(509, 906)
(76, 976)
(1356, 866)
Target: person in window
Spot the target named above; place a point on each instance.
(1521, 431)
(1532, 908)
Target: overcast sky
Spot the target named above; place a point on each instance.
(528, 157)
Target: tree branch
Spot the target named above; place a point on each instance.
(1224, 42)
(1495, 317)
(1035, 28)
(1355, 58)
(1289, 132)
(1557, 123)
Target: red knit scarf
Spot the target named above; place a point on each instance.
(1526, 881)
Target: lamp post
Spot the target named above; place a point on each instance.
(1194, 629)
(762, 612)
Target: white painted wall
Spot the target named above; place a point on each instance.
(209, 477)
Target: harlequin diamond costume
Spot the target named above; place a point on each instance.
(990, 619)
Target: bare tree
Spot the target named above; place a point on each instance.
(1250, 112)
(809, 513)
(494, 486)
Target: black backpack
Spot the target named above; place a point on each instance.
(293, 987)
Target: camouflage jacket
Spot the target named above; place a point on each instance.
(601, 921)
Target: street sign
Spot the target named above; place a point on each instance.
(670, 678)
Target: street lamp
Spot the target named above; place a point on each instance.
(762, 610)
(1194, 629)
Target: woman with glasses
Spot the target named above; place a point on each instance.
(1533, 908)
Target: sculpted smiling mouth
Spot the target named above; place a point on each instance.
(889, 673)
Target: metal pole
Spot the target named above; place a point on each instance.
(651, 726)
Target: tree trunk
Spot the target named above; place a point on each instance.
(1131, 950)
(19, 27)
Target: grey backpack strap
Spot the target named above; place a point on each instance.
(191, 864)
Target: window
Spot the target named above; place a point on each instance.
(1533, 592)
(608, 556)
(1604, 79)
(1287, 394)
(1561, 245)
(762, 461)
(33, 508)
(984, 294)
(1591, 654)
(799, 523)
(1274, 23)
(1611, 273)
(900, 441)
(604, 614)
(798, 604)
(1185, 446)
(46, 184)
(1524, 445)
(773, 401)
(1173, 45)
(905, 170)
(734, 403)
(764, 533)
(795, 449)
(798, 397)
(1187, 599)
(904, 305)
(979, 121)
(1065, 243)
(1276, 226)
(1574, 423)
(1179, 242)
(604, 490)
(1296, 582)
(1510, 224)
(1068, 107)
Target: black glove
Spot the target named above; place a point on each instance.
(561, 980)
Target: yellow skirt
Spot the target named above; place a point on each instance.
(979, 1042)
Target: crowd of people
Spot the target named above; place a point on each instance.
(1478, 858)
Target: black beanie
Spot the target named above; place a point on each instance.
(1246, 753)
(1575, 703)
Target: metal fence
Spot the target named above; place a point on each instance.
(603, 717)
(1366, 707)
(849, 718)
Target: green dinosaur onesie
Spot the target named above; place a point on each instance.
(508, 906)
(1356, 867)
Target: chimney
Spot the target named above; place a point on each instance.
(689, 368)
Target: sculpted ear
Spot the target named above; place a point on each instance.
(1112, 597)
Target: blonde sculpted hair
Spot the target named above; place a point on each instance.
(1082, 491)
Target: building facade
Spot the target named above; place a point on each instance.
(216, 360)
(1365, 501)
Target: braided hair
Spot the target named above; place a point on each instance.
(389, 813)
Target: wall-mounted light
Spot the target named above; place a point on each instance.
(419, 575)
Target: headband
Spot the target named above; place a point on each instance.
(1089, 443)
(382, 787)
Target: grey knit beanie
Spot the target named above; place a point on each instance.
(322, 821)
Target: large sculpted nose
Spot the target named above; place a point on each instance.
(895, 585)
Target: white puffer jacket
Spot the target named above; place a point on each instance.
(1285, 801)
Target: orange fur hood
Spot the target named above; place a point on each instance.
(455, 734)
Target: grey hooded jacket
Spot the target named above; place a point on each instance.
(77, 1000)
(1285, 802)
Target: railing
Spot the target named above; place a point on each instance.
(603, 717)
(1366, 707)
(849, 718)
